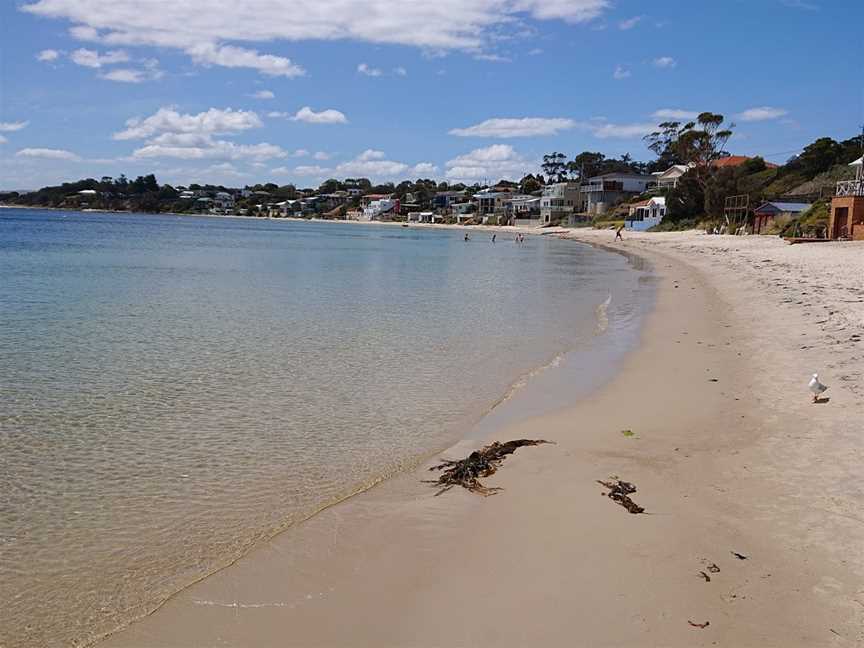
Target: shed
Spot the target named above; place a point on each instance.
(776, 214)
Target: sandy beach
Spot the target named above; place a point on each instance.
(728, 453)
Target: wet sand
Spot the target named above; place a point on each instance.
(729, 455)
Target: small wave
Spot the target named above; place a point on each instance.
(241, 605)
(602, 313)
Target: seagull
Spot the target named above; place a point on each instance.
(816, 387)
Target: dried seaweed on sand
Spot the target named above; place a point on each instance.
(480, 463)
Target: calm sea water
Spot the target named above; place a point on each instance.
(175, 389)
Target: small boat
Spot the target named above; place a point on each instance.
(404, 224)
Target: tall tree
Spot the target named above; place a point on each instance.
(555, 166)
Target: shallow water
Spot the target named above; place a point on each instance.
(175, 389)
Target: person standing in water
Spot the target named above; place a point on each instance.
(466, 237)
(493, 237)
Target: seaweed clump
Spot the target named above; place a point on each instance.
(479, 464)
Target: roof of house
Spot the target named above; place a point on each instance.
(737, 160)
(617, 174)
(782, 207)
(858, 162)
(641, 203)
(675, 168)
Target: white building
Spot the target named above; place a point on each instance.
(646, 214)
(669, 178)
(379, 208)
(559, 202)
(601, 193)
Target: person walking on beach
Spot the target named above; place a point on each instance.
(618, 236)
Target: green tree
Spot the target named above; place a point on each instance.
(555, 167)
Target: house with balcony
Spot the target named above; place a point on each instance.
(601, 193)
(444, 200)
(847, 207)
(559, 202)
(381, 209)
(669, 178)
(490, 202)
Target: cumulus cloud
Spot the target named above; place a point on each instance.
(496, 162)
(11, 127)
(664, 62)
(372, 164)
(93, 59)
(620, 72)
(364, 68)
(169, 133)
(168, 120)
(516, 127)
(263, 94)
(762, 113)
(48, 55)
(238, 57)
(48, 154)
(321, 155)
(425, 168)
(442, 25)
(276, 114)
(330, 116)
(3, 140)
(630, 23)
(675, 113)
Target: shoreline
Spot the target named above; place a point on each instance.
(705, 473)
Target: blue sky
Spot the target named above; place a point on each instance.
(245, 91)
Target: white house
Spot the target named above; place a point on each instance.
(669, 178)
(379, 208)
(646, 214)
(488, 201)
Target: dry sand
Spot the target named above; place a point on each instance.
(729, 456)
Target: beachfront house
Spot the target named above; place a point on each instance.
(645, 214)
(223, 202)
(770, 215)
(444, 200)
(669, 178)
(601, 193)
(847, 207)
(489, 202)
(559, 202)
(381, 209)
(523, 210)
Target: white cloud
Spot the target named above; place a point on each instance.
(3, 140)
(493, 58)
(168, 120)
(330, 116)
(621, 131)
(620, 72)
(239, 57)
(762, 113)
(516, 127)
(209, 148)
(151, 72)
(263, 94)
(442, 25)
(275, 114)
(300, 153)
(675, 113)
(630, 23)
(93, 59)
(496, 162)
(11, 127)
(425, 168)
(535, 52)
(191, 137)
(310, 170)
(363, 68)
(48, 154)
(321, 156)
(48, 55)
(400, 71)
(664, 62)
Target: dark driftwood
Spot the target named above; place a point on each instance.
(480, 463)
(620, 491)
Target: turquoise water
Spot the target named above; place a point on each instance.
(175, 389)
